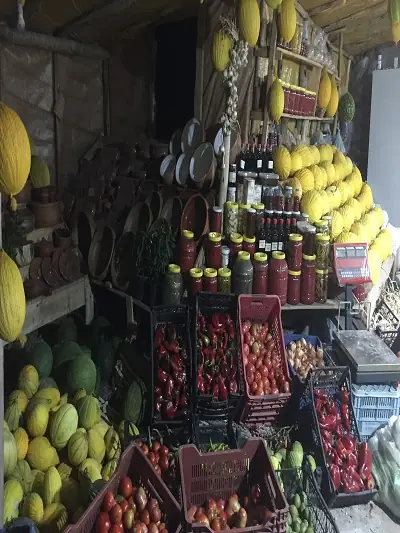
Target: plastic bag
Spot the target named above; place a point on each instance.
(338, 142)
(395, 432)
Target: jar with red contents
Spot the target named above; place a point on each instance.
(210, 282)
(294, 284)
(260, 275)
(295, 251)
(278, 276)
(216, 220)
(187, 251)
(213, 250)
(235, 245)
(308, 277)
(195, 281)
(249, 245)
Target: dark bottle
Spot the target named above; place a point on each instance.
(287, 233)
(288, 199)
(268, 236)
(296, 200)
(281, 235)
(260, 161)
(293, 225)
(274, 235)
(261, 237)
(241, 160)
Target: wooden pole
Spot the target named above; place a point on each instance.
(199, 84)
(56, 142)
(340, 58)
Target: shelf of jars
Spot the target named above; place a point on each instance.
(298, 58)
(258, 114)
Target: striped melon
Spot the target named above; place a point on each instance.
(12, 294)
(249, 20)
(63, 425)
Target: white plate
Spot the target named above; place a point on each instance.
(167, 169)
(201, 161)
(192, 136)
(182, 169)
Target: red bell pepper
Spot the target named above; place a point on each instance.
(352, 460)
(349, 443)
(335, 475)
(369, 483)
(351, 480)
(341, 449)
(223, 391)
(344, 410)
(322, 396)
(364, 461)
(326, 435)
(332, 409)
(327, 422)
(343, 396)
(334, 458)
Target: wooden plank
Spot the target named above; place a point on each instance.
(329, 305)
(361, 14)
(257, 114)
(272, 53)
(288, 54)
(326, 7)
(56, 117)
(340, 59)
(1, 398)
(199, 83)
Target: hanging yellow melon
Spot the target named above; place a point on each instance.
(324, 91)
(12, 297)
(282, 162)
(249, 20)
(39, 173)
(221, 48)
(287, 20)
(276, 100)
(273, 4)
(333, 100)
(394, 14)
(15, 153)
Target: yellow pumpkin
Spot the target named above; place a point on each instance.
(221, 48)
(334, 99)
(324, 91)
(287, 20)
(276, 100)
(12, 295)
(15, 154)
(249, 20)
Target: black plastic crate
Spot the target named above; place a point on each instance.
(204, 404)
(172, 317)
(213, 435)
(331, 381)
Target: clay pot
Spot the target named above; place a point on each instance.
(47, 214)
(62, 238)
(192, 136)
(139, 218)
(167, 169)
(195, 216)
(35, 288)
(44, 248)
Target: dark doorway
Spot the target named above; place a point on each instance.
(175, 75)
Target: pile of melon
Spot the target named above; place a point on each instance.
(58, 451)
(329, 184)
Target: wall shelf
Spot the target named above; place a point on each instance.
(258, 115)
(288, 54)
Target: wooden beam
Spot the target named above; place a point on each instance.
(340, 59)
(199, 83)
(272, 54)
(336, 32)
(327, 7)
(371, 12)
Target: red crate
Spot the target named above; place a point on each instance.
(221, 474)
(135, 465)
(263, 409)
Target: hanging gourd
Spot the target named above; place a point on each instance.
(394, 14)
(334, 99)
(249, 20)
(15, 153)
(12, 299)
(287, 20)
(273, 4)
(324, 91)
(276, 100)
(221, 48)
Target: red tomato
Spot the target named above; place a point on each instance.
(252, 358)
(250, 368)
(158, 470)
(246, 349)
(250, 378)
(260, 391)
(164, 464)
(125, 487)
(257, 376)
(116, 514)
(145, 449)
(262, 335)
(254, 387)
(108, 501)
(268, 363)
(265, 381)
(274, 390)
(103, 523)
(272, 381)
(152, 458)
(246, 325)
(156, 446)
(267, 390)
(246, 337)
(259, 362)
(124, 505)
(254, 330)
(264, 371)
(285, 387)
(117, 528)
(245, 360)
(163, 451)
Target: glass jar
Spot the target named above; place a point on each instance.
(249, 245)
(322, 249)
(235, 245)
(242, 274)
(195, 281)
(322, 227)
(231, 218)
(309, 239)
(295, 251)
(173, 286)
(231, 194)
(321, 285)
(224, 280)
(328, 218)
(213, 250)
(294, 284)
(278, 276)
(251, 223)
(307, 295)
(210, 283)
(259, 216)
(242, 217)
(260, 275)
(187, 251)
(216, 219)
(239, 186)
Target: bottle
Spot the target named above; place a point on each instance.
(287, 232)
(281, 235)
(172, 288)
(296, 201)
(242, 275)
(261, 238)
(259, 159)
(287, 206)
(293, 225)
(268, 247)
(274, 235)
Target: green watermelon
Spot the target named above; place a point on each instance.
(67, 330)
(347, 107)
(135, 401)
(85, 350)
(104, 357)
(48, 383)
(64, 352)
(81, 374)
(41, 357)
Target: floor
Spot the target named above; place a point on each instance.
(365, 519)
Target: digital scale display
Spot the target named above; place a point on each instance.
(350, 262)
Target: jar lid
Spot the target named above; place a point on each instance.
(278, 255)
(252, 211)
(210, 273)
(322, 237)
(174, 269)
(244, 206)
(327, 218)
(305, 215)
(294, 272)
(296, 237)
(217, 209)
(321, 271)
(188, 234)
(213, 236)
(236, 238)
(231, 205)
(321, 223)
(224, 272)
(309, 257)
(244, 256)
(196, 273)
(250, 240)
(225, 250)
(258, 207)
(261, 256)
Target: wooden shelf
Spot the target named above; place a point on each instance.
(329, 305)
(303, 60)
(258, 115)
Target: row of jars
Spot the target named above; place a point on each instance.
(298, 101)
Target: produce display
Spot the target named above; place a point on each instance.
(163, 459)
(217, 363)
(304, 357)
(263, 364)
(348, 460)
(300, 518)
(12, 301)
(130, 511)
(171, 355)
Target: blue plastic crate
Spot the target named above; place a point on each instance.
(292, 337)
(375, 403)
(366, 429)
